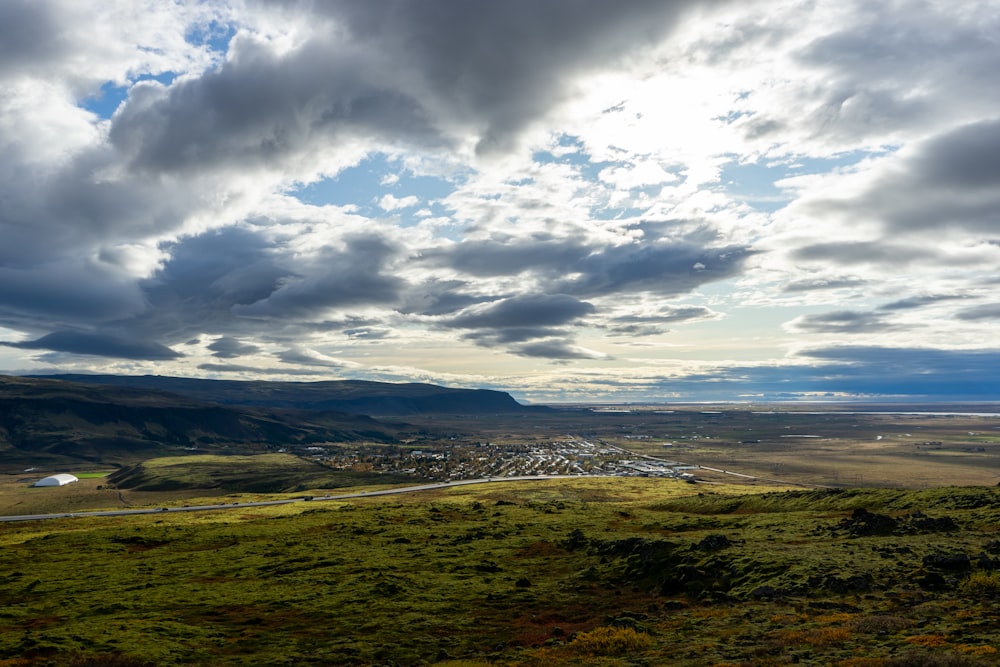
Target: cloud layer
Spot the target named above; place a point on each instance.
(565, 199)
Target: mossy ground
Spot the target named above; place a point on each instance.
(519, 574)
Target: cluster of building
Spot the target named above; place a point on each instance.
(509, 459)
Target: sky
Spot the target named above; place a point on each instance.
(569, 200)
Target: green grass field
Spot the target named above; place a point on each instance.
(609, 571)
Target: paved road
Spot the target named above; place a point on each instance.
(766, 479)
(263, 503)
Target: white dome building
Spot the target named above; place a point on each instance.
(62, 479)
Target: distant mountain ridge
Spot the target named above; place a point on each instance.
(351, 396)
(58, 421)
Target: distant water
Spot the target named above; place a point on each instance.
(878, 412)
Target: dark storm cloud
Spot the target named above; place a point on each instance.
(223, 282)
(104, 345)
(523, 311)
(503, 63)
(406, 70)
(553, 349)
(524, 318)
(72, 237)
(71, 290)
(215, 283)
(844, 321)
(76, 205)
(504, 257)
(666, 265)
(226, 347)
(206, 277)
(949, 182)
(260, 109)
(356, 275)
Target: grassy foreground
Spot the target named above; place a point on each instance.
(612, 571)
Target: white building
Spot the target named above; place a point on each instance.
(62, 479)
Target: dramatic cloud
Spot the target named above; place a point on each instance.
(561, 198)
(102, 345)
(524, 318)
(231, 348)
(496, 67)
(351, 276)
(553, 349)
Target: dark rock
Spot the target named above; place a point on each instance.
(925, 524)
(986, 563)
(488, 566)
(857, 583)
(714, 543)
(765, 593)
(933, 581)
(864, 524)
(576, 540)
(952, 562)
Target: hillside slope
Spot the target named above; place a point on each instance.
(54, 420)
(354, 396)
(591, 572)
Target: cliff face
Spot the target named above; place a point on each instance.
(354, 396)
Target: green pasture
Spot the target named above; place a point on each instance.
(591, 571)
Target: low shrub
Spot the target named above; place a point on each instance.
(611, 641)
(880, 624)
(817, 637)
(981, 584)
(928, 640)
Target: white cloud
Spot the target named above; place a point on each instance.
(392, 203)
(523, 182)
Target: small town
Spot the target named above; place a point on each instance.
(485, 459)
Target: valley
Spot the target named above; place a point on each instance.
(858, 536)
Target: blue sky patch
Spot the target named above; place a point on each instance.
(109, 98)
(365, 184)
